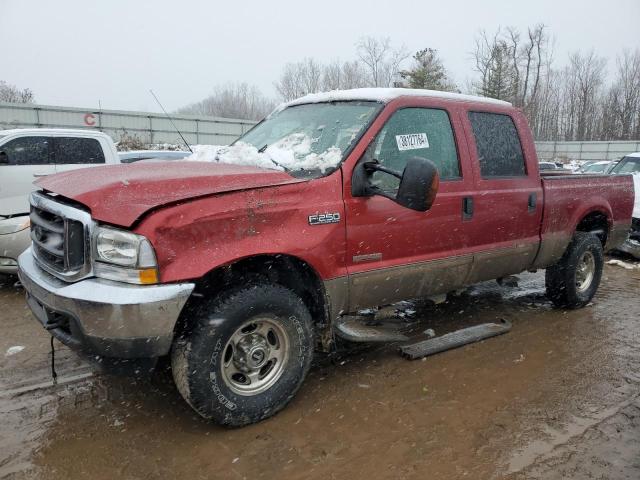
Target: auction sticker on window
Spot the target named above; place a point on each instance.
(413, 141)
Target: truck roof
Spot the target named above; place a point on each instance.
(385, 95)
(54, 131)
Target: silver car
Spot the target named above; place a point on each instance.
(25, 156)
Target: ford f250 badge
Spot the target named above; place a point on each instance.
(322, 218)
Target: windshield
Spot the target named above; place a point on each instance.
(306, 140)
(627, 165)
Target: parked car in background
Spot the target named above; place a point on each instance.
(596, 167)
(241, 268)
(553, 169)
(548, 166)
(29, 154)
(611, 166)
(138, 155)
(630, 164)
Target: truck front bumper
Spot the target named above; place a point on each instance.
(102, 317)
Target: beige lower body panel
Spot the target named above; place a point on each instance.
(617, 236)
(388, 285)
(502, 262)
(552, 248)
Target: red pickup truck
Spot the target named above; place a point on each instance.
(242, 267)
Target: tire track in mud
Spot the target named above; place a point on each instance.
(29, 405)
(597, 436)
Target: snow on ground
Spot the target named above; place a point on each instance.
(13, 350)
(623, 264)
(293, 152)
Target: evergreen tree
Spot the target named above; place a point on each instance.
(498, 82)
(428, 72)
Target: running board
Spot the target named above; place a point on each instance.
(453, 340)
(355, 330)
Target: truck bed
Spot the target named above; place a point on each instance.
(587, 201)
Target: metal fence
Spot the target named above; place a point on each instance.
(582, 151)
(150, 128)
(155, 128)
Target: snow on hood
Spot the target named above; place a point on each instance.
(292, 152)
(385, 95)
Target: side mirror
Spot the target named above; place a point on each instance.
(4, 158)
(418, 182)
(418, 185)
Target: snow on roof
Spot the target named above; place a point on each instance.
(635, 155)
(385, 95)
(52, 131)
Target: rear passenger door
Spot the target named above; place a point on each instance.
(507, 208)
(71, 153)
(22, 161)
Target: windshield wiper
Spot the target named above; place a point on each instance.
(263, 149)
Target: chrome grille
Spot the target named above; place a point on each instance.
(60, 237)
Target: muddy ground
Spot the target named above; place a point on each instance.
(557, 397)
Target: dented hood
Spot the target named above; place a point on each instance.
(120, 194)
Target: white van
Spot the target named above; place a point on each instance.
(26, 155)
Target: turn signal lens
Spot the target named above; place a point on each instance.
(148, 276)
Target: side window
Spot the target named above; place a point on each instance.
(70, 150)
(415, 132)
(26, 151)
(498, 145)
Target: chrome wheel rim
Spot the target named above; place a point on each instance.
(255, 356)
(585, 271)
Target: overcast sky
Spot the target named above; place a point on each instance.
(79, 52)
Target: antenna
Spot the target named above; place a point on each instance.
(171, 120)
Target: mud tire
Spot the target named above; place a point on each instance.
(561, 280)
(197, 354)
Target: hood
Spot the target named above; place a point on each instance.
(16, 205)
(120, 194)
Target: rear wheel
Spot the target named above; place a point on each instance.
(246, 355)
(574, 280)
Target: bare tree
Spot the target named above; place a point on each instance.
(511, 68)
(300, 78)
(381, 60)
(343, 75)
(234, 100)
(624, 95)
(584, 80)
(11, 93)
(310, 76)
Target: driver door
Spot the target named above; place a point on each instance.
(396, 253)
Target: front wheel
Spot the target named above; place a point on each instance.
(574, 280)
(246, 355)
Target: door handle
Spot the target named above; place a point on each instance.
(467, 208)
(533, 202)
(38, 175)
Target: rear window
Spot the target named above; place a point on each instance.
(70, 150)
(498, 145)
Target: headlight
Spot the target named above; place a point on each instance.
(14, 225)
(124, 256)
